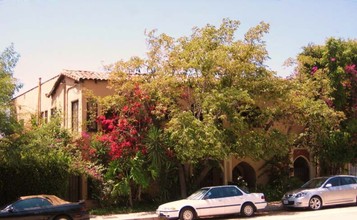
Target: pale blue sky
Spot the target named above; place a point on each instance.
(52, 35)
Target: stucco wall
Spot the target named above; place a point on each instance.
(26, 104)
(257, 165)
(66, 92)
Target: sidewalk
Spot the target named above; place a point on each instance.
(271, 207)
(130, 216)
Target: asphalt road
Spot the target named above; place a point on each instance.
(332, 213)
(335, 213)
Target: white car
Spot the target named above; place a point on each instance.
(212, 201)
(323, 191)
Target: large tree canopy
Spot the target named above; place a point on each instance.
(218, 95)
(208, 96)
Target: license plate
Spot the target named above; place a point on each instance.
(285, 202)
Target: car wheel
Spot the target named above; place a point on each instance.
(187, 214)
(62, 217)
(247, 210)
(315, 203)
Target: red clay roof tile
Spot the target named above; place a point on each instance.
(82, 74)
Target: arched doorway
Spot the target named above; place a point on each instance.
(247, 172)
(301, 169)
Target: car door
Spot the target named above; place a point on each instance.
(332, 193)
(233, 199)
(349, 189)
(212, 204)
(27, 209)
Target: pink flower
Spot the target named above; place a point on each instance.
(333, 59)
(125, 109)
(329, 102)
(101, 118)
(346, 84)
(351, 69)
(133, 131)
(313, 70)
(85, 135)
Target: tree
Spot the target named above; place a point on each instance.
(8, 84)
(214, 95)
(329, 73)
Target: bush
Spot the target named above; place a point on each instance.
(35, 162)
(277, 168)
(29, 176)
(275, 190)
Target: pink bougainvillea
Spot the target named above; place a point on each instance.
(351, 69)
(313, 70)
(124, 132)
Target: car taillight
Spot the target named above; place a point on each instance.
(83, 205)
(262, 197)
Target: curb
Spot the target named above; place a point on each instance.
(274, 206)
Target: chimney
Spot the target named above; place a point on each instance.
(39, 101)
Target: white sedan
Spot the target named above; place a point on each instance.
(212, 201)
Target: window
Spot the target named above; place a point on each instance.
(347, 180)
(334, 181)
(215, 193)
(53, 112)
(75, 116)
(44, 116)
(31, 203)
(92, 114)
(231, 191)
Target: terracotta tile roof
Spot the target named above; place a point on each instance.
(78, 75)
(82, 74)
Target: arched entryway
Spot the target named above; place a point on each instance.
(301, 169)
(247, 172)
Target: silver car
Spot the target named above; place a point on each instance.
(323, 191)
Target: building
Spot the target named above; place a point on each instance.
(65, 94)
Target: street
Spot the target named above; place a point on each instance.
(333, 213)
(345, 213)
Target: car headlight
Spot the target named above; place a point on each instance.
(167, 209)
(300, 194)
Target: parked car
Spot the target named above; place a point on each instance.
(213, 201)
(323, 191)
(44, 207)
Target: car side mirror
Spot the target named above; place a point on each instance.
(328, 185)
(10, 209)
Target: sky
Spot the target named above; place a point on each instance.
(52, 35)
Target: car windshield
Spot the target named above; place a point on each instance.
(198, 194)
(314, 183)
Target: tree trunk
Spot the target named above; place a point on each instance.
(182, 181)
(138, 197)
(130, 197)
